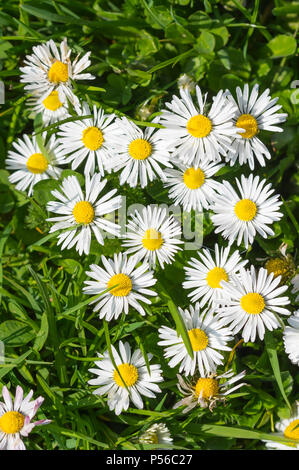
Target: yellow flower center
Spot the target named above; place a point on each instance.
(245, 209)
(11, 422)
(92, 138)
(253, 303)
(140, 149)
(290, 432)
(277, 266)
(249, 123)
(129, 374)
(152, 239)
(37, 163)
(215, 276)
(209, 387)
(58, 72)
(52, 102)
(83, 212)
(199, 126)
(194, 179)
(123, 285)
(198, 339)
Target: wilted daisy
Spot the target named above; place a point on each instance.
(207, 337)
(156, 434)
(291, 338)
(15, 418)
(138, 153)
(49, 69)
(129, 382)
(88, 141)
(253, 114)
(81, 214)
(282, 265)
(289, 429)
(208, 390)
(153, 236)
(51, 108)
(204, 276)
(31, 164)
(239, 217)
(192, 188)
(252, 301)
(128, 285)
(196, 134)
(186, 82)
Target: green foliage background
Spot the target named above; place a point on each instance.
(139, 49)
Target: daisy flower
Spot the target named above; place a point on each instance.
(31, 164)
(253, 113)
(51, 108)
(288, 429)
(251, 302)
(240, 217)
(207, 391)
(153, 236)
(156, 434)
(128, 285)
(204, 275)
(129, 381)
(192, 188)
(138, 153)
(15, 418)
(291, 338)
(81, 215)
(195, 134)
(49, 69)
(89, 140)
(207, 338)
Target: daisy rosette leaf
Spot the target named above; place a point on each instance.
(153, 236)
(31, 164)
(253, 114)
(207, 337)
(15, 418)
(129, 381)
(53, 108)
(121, 284)
(195, 133)
(82, 214)
(50, 69)
(251, 303)
(139, 154)
(240, 217)
(208, 390)
(158, 433)
(205, 275)
(88, 141)
(192, 188)
(291, 338)
(289, 429)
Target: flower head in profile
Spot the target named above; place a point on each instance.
(208, 390)
(129, 381)
(81, 214)
(158, 433)
(15, 418)
(253, 114)
(50, 69)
